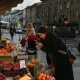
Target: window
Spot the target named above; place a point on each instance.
(77, 13)
(77, 1)
(56, 9)
(73, 14)
(64, 5)
(72, 2)
(68, 4)
(60, 6)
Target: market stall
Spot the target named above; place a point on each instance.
(16, 65)
(10, 67)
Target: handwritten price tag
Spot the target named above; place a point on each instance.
(22, 64)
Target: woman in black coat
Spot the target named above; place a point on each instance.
(52, 45)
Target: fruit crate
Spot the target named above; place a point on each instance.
(6, 57)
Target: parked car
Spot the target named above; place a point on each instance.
(23, 30)
(19, 30)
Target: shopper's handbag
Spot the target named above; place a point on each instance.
(71, 55)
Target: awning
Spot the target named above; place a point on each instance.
(62, 24)
(6, 5)
(4, 22)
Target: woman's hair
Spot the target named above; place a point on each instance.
(30, 29)
(42, 29)
(30, 25)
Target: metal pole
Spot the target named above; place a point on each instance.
(19, 36)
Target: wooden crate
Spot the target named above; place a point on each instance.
(6, 57)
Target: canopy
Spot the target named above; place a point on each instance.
(4, 22)
(6, 5)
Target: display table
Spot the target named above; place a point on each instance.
(14, 71)
(22, 56)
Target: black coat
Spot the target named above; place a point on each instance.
(63, 68)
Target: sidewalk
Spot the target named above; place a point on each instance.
(42, 55)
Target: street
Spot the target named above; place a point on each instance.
(42, 57)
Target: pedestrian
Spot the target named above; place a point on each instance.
(76, 34)
(14, 30)
(11, 32)
(53, 45)
(55, 30)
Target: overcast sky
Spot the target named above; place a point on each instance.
(26, 3)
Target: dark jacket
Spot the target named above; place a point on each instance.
(63, 68)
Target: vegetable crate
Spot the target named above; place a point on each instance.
(6, 57)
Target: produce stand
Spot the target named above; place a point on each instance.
(34, 66)
(22, 55)
(10, 70)
(15, 65)
(13, 71)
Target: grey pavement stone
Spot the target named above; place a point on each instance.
(76, 73)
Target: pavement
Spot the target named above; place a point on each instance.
(42, 56)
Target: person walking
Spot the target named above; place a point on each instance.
(11, 32)
(14, 29)
(76, 34)
(55, 48)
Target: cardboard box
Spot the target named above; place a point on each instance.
(26, 77)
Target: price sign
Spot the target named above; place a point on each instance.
(22, 64)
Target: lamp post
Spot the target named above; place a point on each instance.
(66, 22)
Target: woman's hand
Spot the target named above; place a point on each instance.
(39, 44)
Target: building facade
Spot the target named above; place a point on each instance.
(59, 10)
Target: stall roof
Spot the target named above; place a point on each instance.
(4, 22)
(6, 5)
(62, 24)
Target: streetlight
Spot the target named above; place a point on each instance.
(66, 22)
